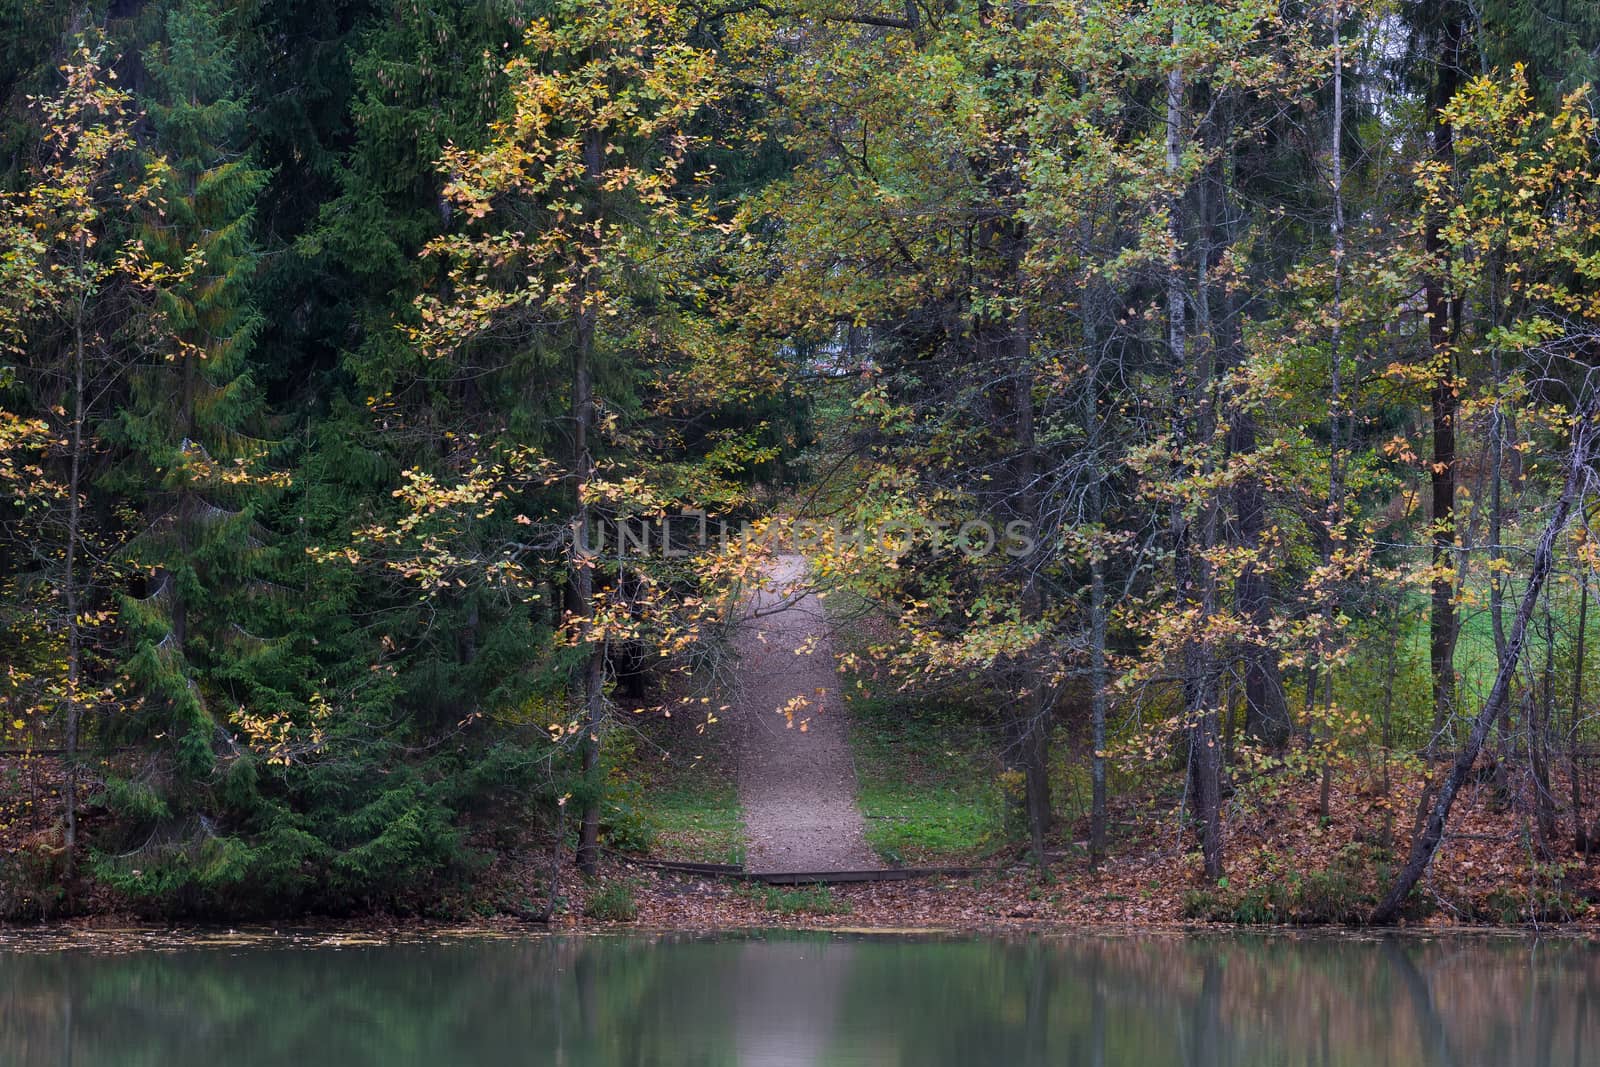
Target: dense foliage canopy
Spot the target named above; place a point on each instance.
(1152, 372)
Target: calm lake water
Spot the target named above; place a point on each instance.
(800, 999)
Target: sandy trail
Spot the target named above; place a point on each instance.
(797, 785)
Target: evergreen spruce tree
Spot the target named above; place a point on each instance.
(29, 30)
(189, 470)
(1559, 40)
(429, 77)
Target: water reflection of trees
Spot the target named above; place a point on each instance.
(462, 1003)
(679, 1001)
(1233, 1000)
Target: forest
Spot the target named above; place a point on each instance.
(1188, 406)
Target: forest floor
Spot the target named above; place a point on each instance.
(1287, 865)
(930, 785)
(917, 781)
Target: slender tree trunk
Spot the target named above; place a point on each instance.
(1541, 707)
(71, 594)
(1098, 676)
(1497, 621)
(1097, 684)
(594, 707)
(1442, 617)
(583, 590)
(1310, 705)
(1205, 744)
(553, 881)
(594, 722)
(1443, 625)
(1205, 753)
(1036, 764)
(1427, 842)
(1177, 332)
(1035, 733)
(1266, 710)
(1230, 719)
(1336, 363)
(1266, 707)
(1325, 792)
(1390, 672)
(1580, 840)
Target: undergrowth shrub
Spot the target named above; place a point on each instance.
(626, 822)
(31, 883)
(1345, 892)
(364, 829)
(612, 902)
(1543, 900)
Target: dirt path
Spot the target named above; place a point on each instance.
(797, 783)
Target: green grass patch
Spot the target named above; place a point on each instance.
(928, 780)
(697, 820)
(671, 793)
(796, 900)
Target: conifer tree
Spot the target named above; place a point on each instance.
(190, 464)
(1556, 39)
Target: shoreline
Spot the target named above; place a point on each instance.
(114, 932)
(122, 939)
